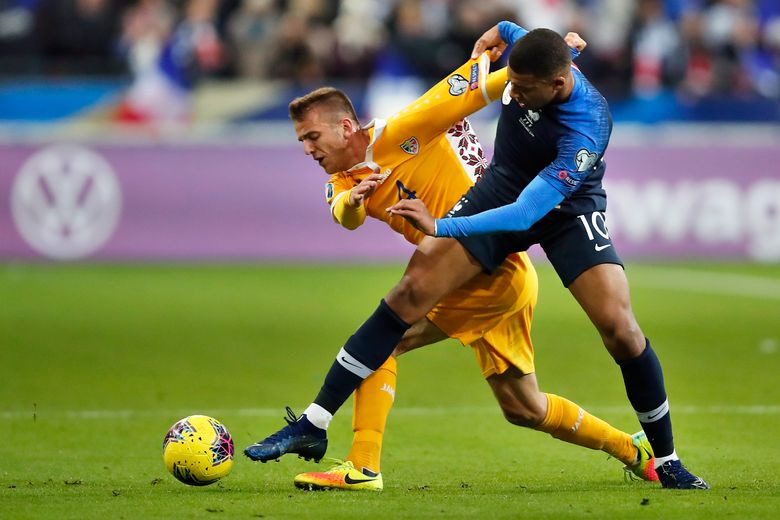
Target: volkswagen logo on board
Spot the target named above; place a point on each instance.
(66, 201)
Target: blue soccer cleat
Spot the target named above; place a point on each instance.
(673, 475)
(299, 436)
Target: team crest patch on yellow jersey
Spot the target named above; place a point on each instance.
(411, 146)
(329, 192)
(458, 85)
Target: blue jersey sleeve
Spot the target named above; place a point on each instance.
(511, 32)
(577, 157)
(534, 202)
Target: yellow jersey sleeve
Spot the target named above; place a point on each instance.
(467, 89)
(337, 196)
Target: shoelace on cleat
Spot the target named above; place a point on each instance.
(284, 432)
(291, 417)
(337, 463)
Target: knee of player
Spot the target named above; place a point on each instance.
(409, 292)
(622, 332)
(521, 415)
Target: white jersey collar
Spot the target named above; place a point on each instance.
(378, 125)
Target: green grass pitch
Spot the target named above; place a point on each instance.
(96, 362)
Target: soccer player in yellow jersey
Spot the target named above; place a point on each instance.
(428, 151)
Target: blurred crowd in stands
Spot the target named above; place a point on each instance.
(636, 47)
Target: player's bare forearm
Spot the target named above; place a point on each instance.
(416, 213)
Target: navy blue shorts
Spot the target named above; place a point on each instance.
(573, 243)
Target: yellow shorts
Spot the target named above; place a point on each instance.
(493, 315)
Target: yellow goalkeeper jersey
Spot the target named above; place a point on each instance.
(426, 151)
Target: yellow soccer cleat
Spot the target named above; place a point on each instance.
(644, 467)
(342, 475)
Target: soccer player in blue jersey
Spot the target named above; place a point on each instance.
(543, 186)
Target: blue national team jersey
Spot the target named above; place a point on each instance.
(561, 143)
(544, 160)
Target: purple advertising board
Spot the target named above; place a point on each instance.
(235, 202)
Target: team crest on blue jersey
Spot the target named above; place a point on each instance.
(458, 84)
(411, 146)
(528, 120)
(585, 160)
(329, 192)
(474, 80)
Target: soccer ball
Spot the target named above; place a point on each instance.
(198, 450)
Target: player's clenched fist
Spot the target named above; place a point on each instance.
(574, 41)
(416, 213)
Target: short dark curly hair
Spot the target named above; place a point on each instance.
(541, 53)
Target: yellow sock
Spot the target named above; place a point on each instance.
(373, 400)
(570, 423)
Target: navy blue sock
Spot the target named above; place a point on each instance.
(364, 352)
(644, 382)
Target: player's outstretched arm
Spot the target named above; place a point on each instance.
(467, 89)
(464, 91)
(534, 202)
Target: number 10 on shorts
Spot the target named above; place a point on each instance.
(597, 222)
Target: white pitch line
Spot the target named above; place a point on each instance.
(756, 409)
(709, 282)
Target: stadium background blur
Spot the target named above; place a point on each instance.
(166, 249)
(695, 50)
(694, 88)
(699, 47)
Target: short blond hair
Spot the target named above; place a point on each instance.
(331, 97)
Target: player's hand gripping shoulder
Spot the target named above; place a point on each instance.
(365, 189)
(416, 213)
(492, 40)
